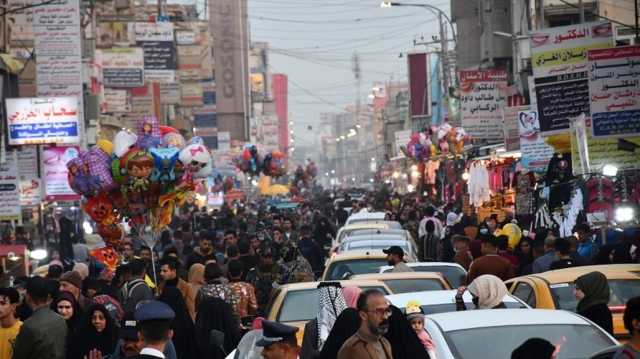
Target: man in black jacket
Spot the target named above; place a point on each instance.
(135, 290)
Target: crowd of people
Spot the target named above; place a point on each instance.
(209, 279)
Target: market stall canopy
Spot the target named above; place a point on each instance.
(274, 190)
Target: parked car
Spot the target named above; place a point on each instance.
(407, 282)
(454, 273)
(364, 216)
(379, 241)
(555, 289)
(495, 333)
(366, 228)
(443, 301)
(346, 264)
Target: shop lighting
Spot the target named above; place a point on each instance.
(338, 139)
(351, 134)
(358, 126)
(410, 188)
(371, 96)
(415, 174)
(385, 4)
(465, 176)
(395, 175)
(326, 174)
(414, 168)
(373, 159)
(254, 183)
(624, 214)
(342, 137)
(404, 176)
(12, 257)
(38, 254)
(501, 149)
(371, 180)
(87, 227)
(609, 170)
(333, 171)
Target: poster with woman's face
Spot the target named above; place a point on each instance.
(56, 184)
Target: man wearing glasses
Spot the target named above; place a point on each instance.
(369, 340)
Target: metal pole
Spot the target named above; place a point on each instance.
(541, 10)
(581, 7)
(443, 57)
(635, 3)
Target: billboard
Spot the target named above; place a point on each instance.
(228, 22)
(9, 190)
(481, 103)
(614, 88)
(54, 162)
(42, 120)
(122, 67)
(418, 65)
(559, 61)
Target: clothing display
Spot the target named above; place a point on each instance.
(430, 170)
(478, 184)
(524, 193)
(559, 173)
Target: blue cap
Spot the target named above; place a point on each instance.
(153, 310)
(274, 332)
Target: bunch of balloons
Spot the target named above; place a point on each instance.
(449, 139)
(419, 146)
(138, 178)
(274, 164)
(249, 161)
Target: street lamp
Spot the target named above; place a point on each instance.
(433, 9)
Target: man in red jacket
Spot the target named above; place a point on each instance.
(491, 262)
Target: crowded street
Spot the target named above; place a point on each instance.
(305, 179)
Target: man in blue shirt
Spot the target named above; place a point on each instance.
(543, 263)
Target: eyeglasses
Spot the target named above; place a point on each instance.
(381, 312)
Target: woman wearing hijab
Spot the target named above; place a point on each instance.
(487, 291)
(183, 329)
(404, 340)
(330, 304)
(69, 309)
(97, 331)
(592, 291)
(345, 325)
(215, 313)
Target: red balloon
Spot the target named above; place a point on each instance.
(167, 129)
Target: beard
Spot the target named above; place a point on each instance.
(380, 329)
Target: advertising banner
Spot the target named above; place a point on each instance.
(27, 161)
(419, 84)
(158, 55)
(535, 152)
(511, 127)
(152, 31)
(402, 138)
(56, 184)
(122, 67)
(614, 91)
(481, 103)
(115, 100)
(57, 38)
(42, 120)
(559, 61)
(9, 190)
(20, 22)
(170, 93)
(30, 191)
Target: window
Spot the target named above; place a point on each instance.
(299, 305)
(621, 291)
(344, 269)
(525, 293)
(398, 286)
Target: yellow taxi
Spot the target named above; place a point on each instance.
(555, 289)
(407, 282)
(296, 304)
(346, 264)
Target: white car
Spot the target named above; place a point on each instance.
(495, 333)
(443, 301)
(364, 216)
(379, 241)
(367, 227)
(454, 273)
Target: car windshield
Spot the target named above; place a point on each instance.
(621, 291)
(339, 270)
(399, 286)
(454, 275)
(302, 305)
(374, 244)
(571, 341)
(451, 307)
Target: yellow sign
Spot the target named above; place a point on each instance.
(604, 151)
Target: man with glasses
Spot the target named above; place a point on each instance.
(369, 340)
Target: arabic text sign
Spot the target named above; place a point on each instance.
(153, 31)
(30, 191)
(115, 100)
(42, 120)
(159, 55)
(535, 152)
(55, 171)
(122, 67)
(561, 97)
(614, 91)
(9, 190)
(481, 103)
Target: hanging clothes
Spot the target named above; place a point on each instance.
(430, 170)
(478, 184)
(568, 218)
(559, 173)
(524, 192)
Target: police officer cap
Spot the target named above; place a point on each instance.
(274, 332)
(153, 310)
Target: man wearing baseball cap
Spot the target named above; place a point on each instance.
(130, 344)
(395, 258)
(278, 341)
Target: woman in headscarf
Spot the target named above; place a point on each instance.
(69, 309)
(403, 339)
(216, 314)
(97, 331)
(344, 326)
(196, 276)
(182, 325)
(330, 304)
(487, 292)
(592, 291)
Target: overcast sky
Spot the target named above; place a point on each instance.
(313, 42)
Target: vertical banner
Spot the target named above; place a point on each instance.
(228, 23)
(535, 152)
(54, 162)
(614, 91)
(579, 129)
(511, 128)
(559, 61)
(481, 103)
(57, 34)
(10, 209)
(418, 65)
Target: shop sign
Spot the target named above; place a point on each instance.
(511, 128)
(27, 161)
(9, 190)
(30, 192)
(122, 67)
(115, 100)
(170, 93)
(42, 120)
(614, 88)
(560, 70)
(153, 31)
(402, 138)
(535, 152)
(481, 103)
(54, 162)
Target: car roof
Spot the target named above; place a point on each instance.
(385, 230)
(358, 254)
(345, 283)
(611, 271)
(363, 214)
(375, 237)
(398, 275)
(366, 225)
(435, 297)
(482, 318)
(428, 264)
